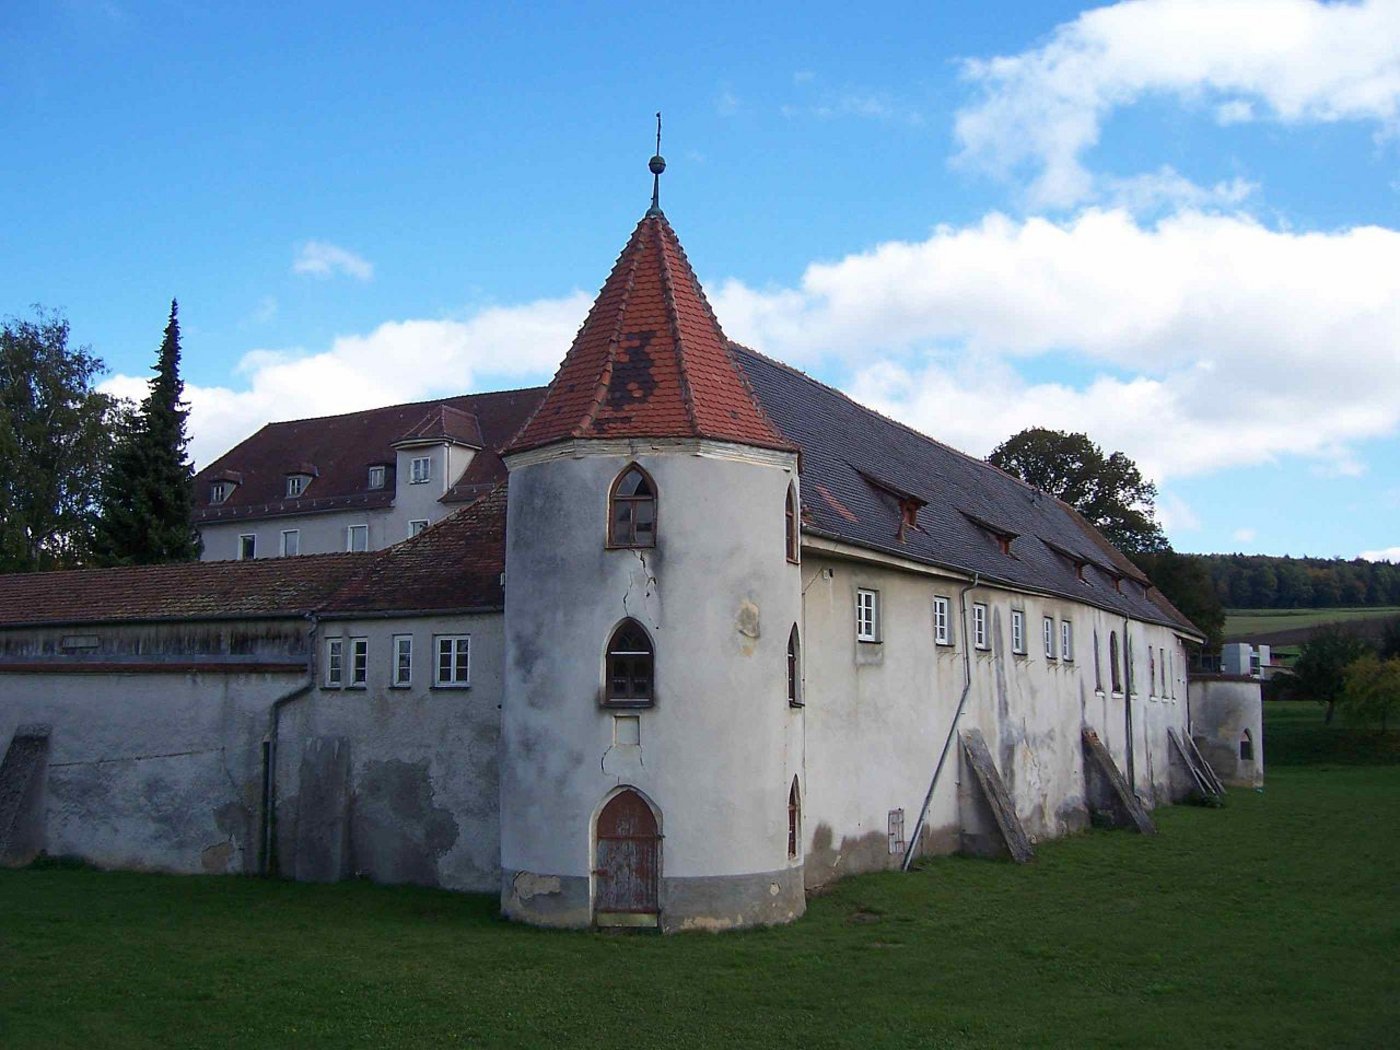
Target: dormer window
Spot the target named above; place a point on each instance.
(632, 510)
(420, 470)
(220, 491)
(377, 476)
(296, 484)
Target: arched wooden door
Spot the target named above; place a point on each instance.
(629, 860)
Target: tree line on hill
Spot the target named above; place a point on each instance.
(1261, 581)
(85, 478)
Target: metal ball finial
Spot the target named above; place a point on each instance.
(656, 165)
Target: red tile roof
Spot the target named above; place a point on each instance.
(196, 590)
(342, 449)
(444, 423)
(452, 566)
(455, 564)
(650, 360)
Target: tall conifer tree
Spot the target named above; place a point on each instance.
(148, 496)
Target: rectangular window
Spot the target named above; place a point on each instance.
(979, 625)
(377, 476)
(942, 634)
(1018, 631)
(1047, 631)
(896, 831)
(218, 492)
(335, 663)
(1066, 641)
(867, 616)
(247, 546)
(403, 661)
(415, 527)
(359, 661)
(357, 538)
(453, 661)
(421, 470)
(291, 542)
(296, 484)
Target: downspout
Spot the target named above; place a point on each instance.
(952, 728)
(268, 865)
(1128, 700)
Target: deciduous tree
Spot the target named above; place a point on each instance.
(147, 495)
(55, 436)
(1320, 670)
(1186, 582)
(1108, 490)
(1371, 691)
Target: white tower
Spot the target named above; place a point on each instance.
(651, 740)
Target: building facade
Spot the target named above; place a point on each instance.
(688, 635)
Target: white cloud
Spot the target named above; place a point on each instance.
(1290, 61)
(1194, 343)
(1176, 515)
(323, 259)
(1244, 535)
(1387, 554)
(398, 361)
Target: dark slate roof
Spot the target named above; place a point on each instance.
(339, 451)
(650, 359)
(856, 464)
(194, 591)
(455, 564)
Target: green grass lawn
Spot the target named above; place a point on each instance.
(1265, 621)
(1272, 921)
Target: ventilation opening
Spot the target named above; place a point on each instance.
(1246, 747)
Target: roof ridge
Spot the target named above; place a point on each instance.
(668, 296)
(427, 402)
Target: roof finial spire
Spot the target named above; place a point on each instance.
(657, 166)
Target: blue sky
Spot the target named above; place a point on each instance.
(1173, 225)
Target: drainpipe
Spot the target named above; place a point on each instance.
(268, 865)
(952, 728)
(1128, 700)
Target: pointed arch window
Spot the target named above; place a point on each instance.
(632, 509)
(793, 525)
(794, 667)
(1113, 665)
(630, 667)
(794, 820)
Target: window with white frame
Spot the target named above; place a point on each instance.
(1047, 634)
(378, 474)
(416, 526)
(291, 542)
(867, 615)
(453, 670)
(335, 663)
(247, 546)
(357, 538)
(942, 627)
(979, 625)
(296, 484)
(420, 470)
(359, 662)
(1018, 632)
(219, 491)
(402, 676)
(1066, 641)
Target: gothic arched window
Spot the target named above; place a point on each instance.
(630, 667)
(632, 510)
(793, 526)
(794, 820)
(794, 668)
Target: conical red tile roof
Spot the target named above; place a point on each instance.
(650, 360)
